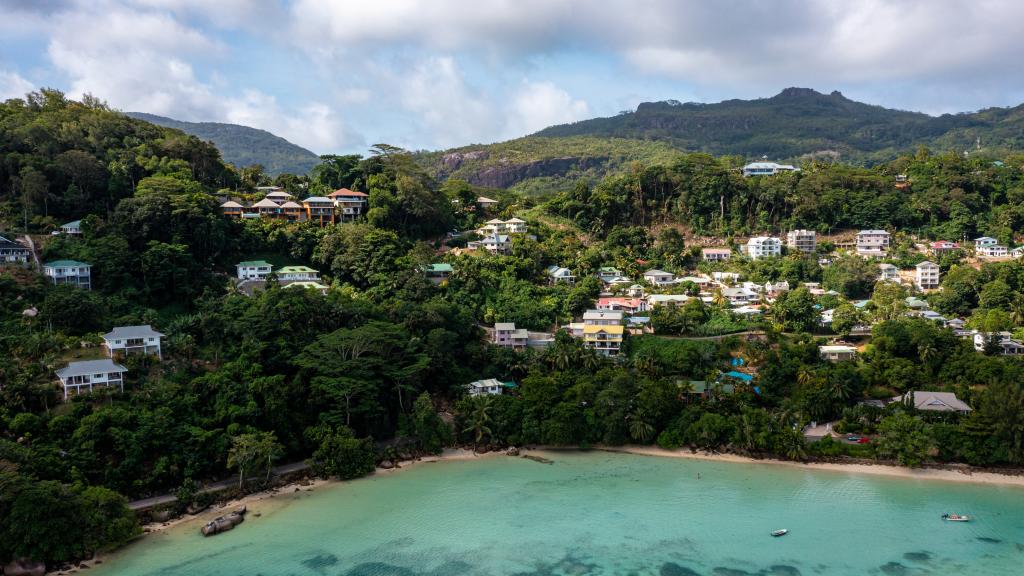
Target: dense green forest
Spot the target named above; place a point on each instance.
(798, 125)
(244, 146)
(365, 371)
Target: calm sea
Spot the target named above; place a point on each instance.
(601, 513)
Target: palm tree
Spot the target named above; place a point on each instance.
(719, 299)
(639, 429)
(1017, 311)
(479, 420)
(804, 377)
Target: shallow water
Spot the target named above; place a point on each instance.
(601, 513)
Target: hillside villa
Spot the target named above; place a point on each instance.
(12, 252)
(80, 377)
(125, 340)
(802, 240)
(873, 243)
(253, 270)
(438, 273)
(70, 272)
(767, 169)
(763, 247)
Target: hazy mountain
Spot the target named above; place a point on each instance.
(795, 123)
(244, 146)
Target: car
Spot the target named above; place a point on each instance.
(853, 439)
(863, 440)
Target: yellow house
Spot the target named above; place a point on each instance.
(606, 340)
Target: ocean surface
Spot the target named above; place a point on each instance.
(599, 513)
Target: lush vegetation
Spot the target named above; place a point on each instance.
(376, 368)
(797, 125)
(244, 146)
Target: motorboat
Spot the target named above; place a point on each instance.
(956, 518)
(782, 532)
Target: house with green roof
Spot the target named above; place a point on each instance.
(297, 274)
(70, 272)
(438, 273)
(253, 270)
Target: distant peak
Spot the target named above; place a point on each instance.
(794, 92)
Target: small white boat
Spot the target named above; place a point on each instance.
(782, 532)
(956, 518)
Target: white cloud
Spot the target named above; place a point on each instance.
(449, 110)
(12, 85)
(314, 126)
(541, 104)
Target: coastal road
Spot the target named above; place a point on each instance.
(153, 501)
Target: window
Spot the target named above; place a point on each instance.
(97, 375)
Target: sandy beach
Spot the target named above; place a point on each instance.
(965, 475)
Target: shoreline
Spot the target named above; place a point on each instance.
(965, 475)
(153, 529)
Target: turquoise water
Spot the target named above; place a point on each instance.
(601, 513)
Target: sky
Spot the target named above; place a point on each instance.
(337, 76)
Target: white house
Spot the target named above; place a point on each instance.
(657, 299)
(927, 275)
(836, 353)
(558, 274)
(984, 241)
(495, 244)
(506, 335)
(716, 254)
(740, 296)
(69, 272)
(1004, 340)
(79, 377)
(297, 274)
(602, 318)
(934, 401)
(73, 228)
(726, 277)
(349, 204)
(763, 247)
(253, 270)
(888, 273)
(485, 202)
(125, 340)
(803, 240)
(767, 168)
(873, 243)
(992, 251)
(488, 387)
(659, 277)
(13, 252)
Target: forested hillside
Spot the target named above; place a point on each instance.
(374, 365)
(796, 125)
(244, 146)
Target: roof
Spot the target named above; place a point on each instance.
(66, 264)
(306, 284)
(769, 165)
(231, 204)
(836, 348)
(278, 193)
(439, 268)
(265, 203)
(5, 243)
(294, 270)
(717, 251)
(485, 200)
(515, 221)
(656, 272)
(142, 331)
(927, 264)
(291, 204)
(936, 401)
(253, 264)
(503, 326)
(602, 315)
(317, 199)
(90, 367)
(610, 270)
(558, 271)
(872, 232)
(592, 329)
(490, 383)
(495, 221)
(347, 192)
(74, 224)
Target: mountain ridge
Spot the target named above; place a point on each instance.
(793, 125)
(243, 145)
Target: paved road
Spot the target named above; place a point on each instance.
(146, 503)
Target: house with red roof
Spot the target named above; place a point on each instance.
(350, 204)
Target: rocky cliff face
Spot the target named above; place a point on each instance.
(507, 173)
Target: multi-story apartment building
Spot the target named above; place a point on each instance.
(69, 272)
(803, 240)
